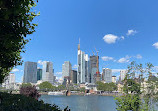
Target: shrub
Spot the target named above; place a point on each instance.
(29, 91)
(18, 102)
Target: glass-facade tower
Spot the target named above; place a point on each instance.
(30, 72)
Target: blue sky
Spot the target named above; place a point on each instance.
(121, 30)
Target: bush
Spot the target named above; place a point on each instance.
(17, 102)
(29, 91)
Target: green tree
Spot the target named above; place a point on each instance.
(16, 18)
(61, 87)
(46, 86)
(82, 89)
(131, 99)
(26, 84)
(134, 89)
(106, 86)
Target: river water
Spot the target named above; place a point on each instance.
(82, 103)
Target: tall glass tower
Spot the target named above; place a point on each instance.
(30, 72)
(83, 66)
(39, 74)
(47, 72)
(107, 75)
(66, 69)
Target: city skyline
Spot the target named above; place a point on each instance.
(120, 35)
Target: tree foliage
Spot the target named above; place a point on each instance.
(29, 91)
(106, 86)
(46, 86)
(26, 84)
(17, 102)
(16, 18)
(134, 89)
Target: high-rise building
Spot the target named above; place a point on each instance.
(107, 75)
(39, 74)
(47, 72)
(66, 69)
(73, 76)
(114, 79)
(30, 72)
(93, 68)
(123, 74)
(83, 66)
(9, 81)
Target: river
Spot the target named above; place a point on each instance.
(82, 103)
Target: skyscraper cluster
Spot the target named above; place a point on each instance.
(32, 74)
(88, 69)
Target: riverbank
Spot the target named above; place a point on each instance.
(80, 93)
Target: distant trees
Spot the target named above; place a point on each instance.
(26, 84)
(106, 86)
(47, 86)
(16, 18)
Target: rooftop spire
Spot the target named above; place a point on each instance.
(79, 44)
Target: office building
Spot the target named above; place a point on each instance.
(123, 74)
(83, 66)
(30, 72)
(93, 68)
(73, 76)
(107, 75)
(39, 74)
(114, 79)
(47, 72)
(66, 69)
(9, 81)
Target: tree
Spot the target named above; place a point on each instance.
(26, 84)
(106, 86)
(45, 86)
(30, 91)
(16, 18)
(134, 89)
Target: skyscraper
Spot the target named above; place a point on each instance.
(30, 72)
(83, 66)
(66, 69)
(114, 79)
(107, 75)
(9, 81)
(93, 67)
(123, 74)
(47, 71)
(39, 74)
(73, 76)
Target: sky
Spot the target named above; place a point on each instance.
(121, 30)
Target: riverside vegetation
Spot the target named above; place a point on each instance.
(139, 94)
(16, 22)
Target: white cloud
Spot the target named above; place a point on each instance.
(155, 45)
(40, 62)
(138, 56)
(110, 38)
(124, 59)
(58, 73)
(122, 37)
(106, 58)
(131, 32)
(75, 66)
(15, 70)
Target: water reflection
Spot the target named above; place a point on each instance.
(82, 103)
